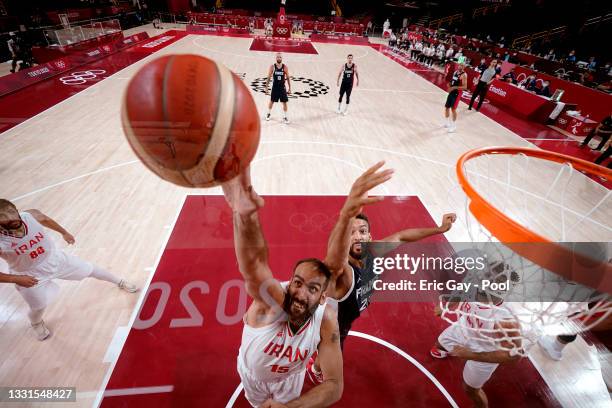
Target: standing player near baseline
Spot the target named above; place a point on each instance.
(286, 322)
(279, 72)
(353, 278)
(348, 73)
(457, 84)
(34, 261)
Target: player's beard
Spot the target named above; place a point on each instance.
(357, 253)
(298, 311)
(12, 228)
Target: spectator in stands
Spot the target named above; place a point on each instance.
(498, 69)
(251, 25)
(502, 42)
(449, 54)
(603, 130)
(440, 56)
(592, 64)
(459, 57)
(14, 47)
(482, 66)
(432, 55)
(510, 76)
(486, 77)
(571, 57)
(392, 40)
(545, 90)
(551, 56)
(418, 48)
(607, 153)
(530, 83)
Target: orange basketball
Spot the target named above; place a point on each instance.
(190, 120)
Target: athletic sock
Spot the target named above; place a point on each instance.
(35, 316)
(101, 274)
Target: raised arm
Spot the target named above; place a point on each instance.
(249, 242)
(51, 224)
(416, 234)
(330, 356)
(339, 242)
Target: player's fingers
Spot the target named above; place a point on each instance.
(373, 169)
(371, 200)
(374, 181)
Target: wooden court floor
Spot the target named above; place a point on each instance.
(73, 162)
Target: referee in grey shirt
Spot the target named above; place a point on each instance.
(486, 77)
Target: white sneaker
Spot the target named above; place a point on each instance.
(345, 112)
(452, 129)
(446, 125)
(339, 110)
(127, 286)
(547, 343)
(286, 121)
(268, 117)
(42, 333)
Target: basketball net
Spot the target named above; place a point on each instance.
(539, 216)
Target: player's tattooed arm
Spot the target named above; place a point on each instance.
(50, 223)
(330, 356)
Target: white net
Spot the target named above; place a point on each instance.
(555, 201)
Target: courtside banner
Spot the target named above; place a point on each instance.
(29, 76)
(471, 272)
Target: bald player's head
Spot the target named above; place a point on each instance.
(279, 57)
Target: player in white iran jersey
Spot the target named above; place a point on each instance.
(475, 336)
(286, 323)
(274, 352)
(34, 261)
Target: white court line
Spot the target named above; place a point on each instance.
(391, 347)
(40, 190)
(160, 389)
(569, 139)
(319, 156)
(136, 310)
(235, 396)
(290, 55)
(393, 91)
(351, 164)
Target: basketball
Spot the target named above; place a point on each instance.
(190, 120)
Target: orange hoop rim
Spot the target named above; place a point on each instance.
(555, 257)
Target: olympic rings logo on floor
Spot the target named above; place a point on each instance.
(282, 30)
(313, 88)
(312, 223)
(81, 77)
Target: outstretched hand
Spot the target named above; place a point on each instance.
(358, 196)
(447, 221)
(240, 194)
